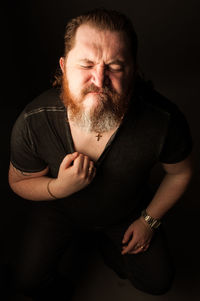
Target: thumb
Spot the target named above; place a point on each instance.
(67, 161)
(127, 235)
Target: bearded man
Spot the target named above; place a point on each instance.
(81, 155)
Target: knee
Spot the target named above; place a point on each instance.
(157, 285)
(157, 288)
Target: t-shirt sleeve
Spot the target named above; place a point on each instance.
(22, 149)
(178, 141)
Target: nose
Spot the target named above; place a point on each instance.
(99, 76)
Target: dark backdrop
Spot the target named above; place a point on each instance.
(169, 48)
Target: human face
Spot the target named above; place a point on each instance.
(99, 58)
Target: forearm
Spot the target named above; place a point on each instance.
(39, 187)
(169, 192)
(34, 189)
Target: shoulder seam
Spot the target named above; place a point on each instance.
(42, 109)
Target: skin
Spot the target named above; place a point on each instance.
(71, 178)
(97, 57)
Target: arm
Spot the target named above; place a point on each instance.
(170, 190)
(31, 186)
(76, 171)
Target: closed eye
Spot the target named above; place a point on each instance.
(86, 66)
(115, 69)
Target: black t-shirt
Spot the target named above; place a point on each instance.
(153, 130)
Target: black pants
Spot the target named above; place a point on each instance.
(53, 252)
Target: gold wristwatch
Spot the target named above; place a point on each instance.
(152, 222)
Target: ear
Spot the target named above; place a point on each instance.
(62, 64)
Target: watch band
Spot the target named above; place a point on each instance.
(152, 222)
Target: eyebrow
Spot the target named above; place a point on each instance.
(112, 62)
(116, 62)
(86, 61)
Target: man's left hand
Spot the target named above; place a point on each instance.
(137, 237)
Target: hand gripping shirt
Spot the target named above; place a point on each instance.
(153, 130)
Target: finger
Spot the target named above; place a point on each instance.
(86, 165)
(146, 247)
(78, 163)
(67, 161)
(133, 247)
(92, 171)
(127, 235)
(128, 248)
(139, 249)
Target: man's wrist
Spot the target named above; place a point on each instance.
(49, 190)
(153, 223)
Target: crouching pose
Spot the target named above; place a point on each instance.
(81, 155)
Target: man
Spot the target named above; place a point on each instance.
(82, 155)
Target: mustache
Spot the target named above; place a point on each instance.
(94, 89)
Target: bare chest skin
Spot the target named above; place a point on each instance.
(90, 144)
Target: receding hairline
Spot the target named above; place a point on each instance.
(101, 19)
(93, 25)
(100, 29)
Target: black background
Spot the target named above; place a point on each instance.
(169, 55)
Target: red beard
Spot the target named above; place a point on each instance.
(111, 105)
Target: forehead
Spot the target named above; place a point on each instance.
(106, 43)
